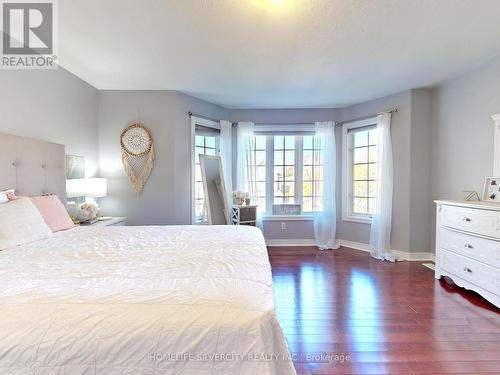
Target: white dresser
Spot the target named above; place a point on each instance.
(468, 246)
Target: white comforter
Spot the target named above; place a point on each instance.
(141, 300)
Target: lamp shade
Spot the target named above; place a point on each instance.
(87, 187)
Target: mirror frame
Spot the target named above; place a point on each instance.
(222, 187)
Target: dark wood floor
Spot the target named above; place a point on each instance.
(372, 317)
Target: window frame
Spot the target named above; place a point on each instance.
(209, 124)
(298, 160)
(347, 170)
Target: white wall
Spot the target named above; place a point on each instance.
(51, 105)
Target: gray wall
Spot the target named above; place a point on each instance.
(166, 198)
(401, 143)
(51, 105)
(462, 132)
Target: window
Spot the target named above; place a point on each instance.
(312, 174)
(359, 170)
(205, 136)
(259, 157)
(289, 169)
(204, 145)
(284, 169)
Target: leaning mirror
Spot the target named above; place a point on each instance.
(215, 191)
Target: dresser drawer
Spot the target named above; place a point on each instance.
(475, 272)
(481, 249)
(484, 222)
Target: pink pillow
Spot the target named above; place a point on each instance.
(53, 212)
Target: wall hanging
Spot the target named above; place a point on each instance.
(138, 154)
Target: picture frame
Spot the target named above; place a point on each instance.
(491, 190)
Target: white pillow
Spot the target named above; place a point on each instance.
(21, 223)
(3, 195)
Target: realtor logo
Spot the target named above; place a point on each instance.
(28, 35)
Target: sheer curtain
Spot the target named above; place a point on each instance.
(380, 233)
(325, 222)
(226, 154)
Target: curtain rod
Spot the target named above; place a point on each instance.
(191, 114)
(394, 110)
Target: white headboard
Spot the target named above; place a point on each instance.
(32, 167)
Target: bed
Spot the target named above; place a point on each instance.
(139, 300)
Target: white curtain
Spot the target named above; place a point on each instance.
(246, 179)
(226, 154)
(325, 222)
(380, 234)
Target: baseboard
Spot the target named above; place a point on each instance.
(291, 243)
(420, 256)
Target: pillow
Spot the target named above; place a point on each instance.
(4, 195)
(53, 212)
(21, 223)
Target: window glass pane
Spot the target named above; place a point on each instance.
(278, 200)
(318, 188)
(307, 173)
(278, 174)
(372, 188)
(308, 157)
(260, 158)
(290, 189)
(361, 172)
(373, 172)
(360, 155)
(372, 154)
(198, 140)
(318, 173)
(260, 142)
(360, 206)
(371, 205)
(307, 204)
(290, 142)
(360, 188)
(307, 189)
(318, 157)
(210, 142)
(360, 138)
(279, 142)
(289, 157)
(261, 189)
(278, 157)
(199, 151)
(290, 173)
(373, 136)
(261, 173)
(307, 142)
(210, 151)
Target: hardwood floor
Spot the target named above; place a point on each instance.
(358, 315)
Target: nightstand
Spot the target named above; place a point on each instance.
(113, 222)
(244, 215)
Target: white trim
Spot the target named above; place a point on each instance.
(208, 123)
(347, 215)
(496, 146)
(291, 243)
(412, 257)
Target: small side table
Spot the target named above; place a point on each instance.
(244, 215)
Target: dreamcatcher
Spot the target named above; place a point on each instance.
(138, 154)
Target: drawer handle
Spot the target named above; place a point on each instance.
(468, 246)
(467, 219)
(467, 269)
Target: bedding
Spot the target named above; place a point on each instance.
(21, 223)
(53, 212)
(143, 301)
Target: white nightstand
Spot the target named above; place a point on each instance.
(113, 222)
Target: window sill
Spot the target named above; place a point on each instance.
(302, 217)
(357, 219)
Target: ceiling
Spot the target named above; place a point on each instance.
(296, 53)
